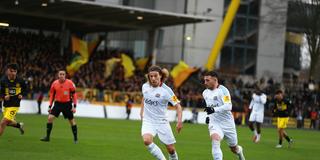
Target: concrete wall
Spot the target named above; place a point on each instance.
(202, 34)
(271, 41)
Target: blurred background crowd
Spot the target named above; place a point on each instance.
(39, 60)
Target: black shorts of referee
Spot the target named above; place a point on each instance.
(64, 107)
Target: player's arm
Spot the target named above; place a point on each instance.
(73, 96)
(179, 113)
(263, 99)
(2, 90)
(141, 109)
(23, 89)
(52, 93)
(251, 104)
(226, 101)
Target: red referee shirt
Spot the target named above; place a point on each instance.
(62, 92)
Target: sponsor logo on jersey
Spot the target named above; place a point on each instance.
(215, 98)
(151, 102)
(213, 105)
(158, 95)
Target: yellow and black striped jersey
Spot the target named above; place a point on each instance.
(13, 88)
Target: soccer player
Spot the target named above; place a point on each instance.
(156, 96)
(221, 122)
(12, 90)
(281, 110)
(257, 113)
(62, 92)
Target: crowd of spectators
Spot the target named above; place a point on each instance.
(39, 59)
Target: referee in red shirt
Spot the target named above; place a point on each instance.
(62, 92)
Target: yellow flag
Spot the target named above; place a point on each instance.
(180, 73)
(128, 65)
(82, 51)
(142, 62)
(110, 64)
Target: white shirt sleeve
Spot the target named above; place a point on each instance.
(226, 100)
(172, 98)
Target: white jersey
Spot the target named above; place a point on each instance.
(220, 99)
(156, 102)
(257, 103)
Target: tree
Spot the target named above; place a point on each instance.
(305, 15)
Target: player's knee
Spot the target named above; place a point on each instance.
(215, 137)
(50, 118)
(5, 121)
(234, 149)
(171, 149)
(147, 140)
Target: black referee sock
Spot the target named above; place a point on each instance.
(75, 132)
(49, 128)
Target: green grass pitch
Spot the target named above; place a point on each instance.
(120, 140)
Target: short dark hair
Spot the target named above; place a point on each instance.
(279, 91)
(12, 66)
(212, 74)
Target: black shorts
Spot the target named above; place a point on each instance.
(65, 108)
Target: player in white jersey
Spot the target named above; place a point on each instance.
(156, 96)
(221, 122)
(256, 106)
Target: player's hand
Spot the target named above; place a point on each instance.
(73, 109)
(49, 109)
(209, 110)
(179, 126)
(207, 120)
(20, 96)
(7, 97)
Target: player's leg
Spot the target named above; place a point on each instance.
(258, 126)
(9, 115)
(289, 140)
(68, 114)
(252, 120)
(18, 125)
(49, 126)
(148, 132)
(54, 113)
(232, 140)
(216, 149)
(216, 136)
(280, 135)
(3, 124)
(172, 152)
(74, 129)
(166, 136)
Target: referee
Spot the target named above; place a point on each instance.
(62, 92)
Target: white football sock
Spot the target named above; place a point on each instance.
(255, 132)
(216, 150)
(173, 156)
(156, 151)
